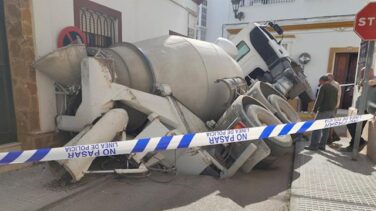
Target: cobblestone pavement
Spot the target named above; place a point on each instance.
(330, 180)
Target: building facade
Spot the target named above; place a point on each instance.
(321, 29)
(30, 29)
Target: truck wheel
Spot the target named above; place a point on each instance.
(285, 112)
(259, 116)
(266, 163)
(261, 91)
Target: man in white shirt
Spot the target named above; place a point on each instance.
(336, 85)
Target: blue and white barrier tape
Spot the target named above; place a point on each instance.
(174, 142)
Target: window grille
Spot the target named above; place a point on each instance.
(101, 25)
(203, 16)
(202, 21)
(100, 29)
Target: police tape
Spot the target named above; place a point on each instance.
(174, 142)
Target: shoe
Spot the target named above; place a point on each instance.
(322, 148)
(362, 145)
(310, 148)
(348, 149)
(336, 139)
(329, 142)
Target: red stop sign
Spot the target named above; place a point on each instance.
(365, 22)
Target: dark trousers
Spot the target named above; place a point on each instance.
(352, 130)
(333, 136)
(320, 137)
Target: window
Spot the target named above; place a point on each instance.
(101, 25)
(243, 49)
(202, 35)
(201, 21)
(203, 16)
(191, 32)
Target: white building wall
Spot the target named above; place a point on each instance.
(144, 19)
(217, 15)
(49, 18)
(220, 12)
(318, 43)
(141, 19)
(299, 9)
(315, 42)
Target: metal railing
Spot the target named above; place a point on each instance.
(247, 3)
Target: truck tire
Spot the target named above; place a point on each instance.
(285, 112)
(259, 116)
(280, 145)
(261, 91)
(266, 163)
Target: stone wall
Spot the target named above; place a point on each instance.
(19, 29)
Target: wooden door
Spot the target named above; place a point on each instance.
(7, 117)
(344, 72)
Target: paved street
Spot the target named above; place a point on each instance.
(35, 188)
(330, 180)
(327, 180)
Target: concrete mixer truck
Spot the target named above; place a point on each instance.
(165, 86)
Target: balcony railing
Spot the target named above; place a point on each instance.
(247, 3)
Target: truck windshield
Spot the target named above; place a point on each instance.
(267, 32)
(243, 49)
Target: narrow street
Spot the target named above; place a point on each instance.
(34, 189)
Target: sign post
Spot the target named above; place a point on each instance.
(365, 27)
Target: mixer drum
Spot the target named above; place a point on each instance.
(190, 67)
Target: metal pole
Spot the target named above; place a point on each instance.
(363, 98)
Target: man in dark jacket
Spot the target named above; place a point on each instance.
(325, 107)
(370, 108)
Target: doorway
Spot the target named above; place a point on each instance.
(7, 115)
(344, 71)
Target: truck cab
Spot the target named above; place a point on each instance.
(263, 58)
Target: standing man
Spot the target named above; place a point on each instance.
(352, 127)
(332, 133)
(325, 106)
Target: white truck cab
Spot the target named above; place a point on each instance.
(263, 58)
